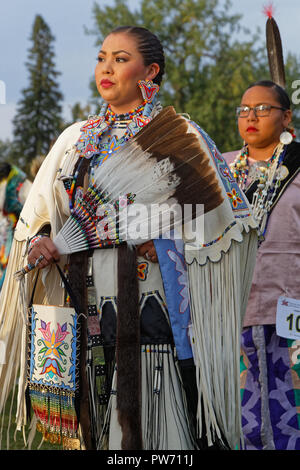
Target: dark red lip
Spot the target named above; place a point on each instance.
(252, 129)
(106, 83)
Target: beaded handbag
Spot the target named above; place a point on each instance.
(53, 360)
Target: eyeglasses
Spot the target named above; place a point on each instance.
(261, 110)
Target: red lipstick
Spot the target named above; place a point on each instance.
(252, 129)
(106, 83)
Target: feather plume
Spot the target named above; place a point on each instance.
(162, 165)
(269, 10)
(274, 48)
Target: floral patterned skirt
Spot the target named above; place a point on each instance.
(270, 390)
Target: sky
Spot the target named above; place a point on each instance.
(75, 51)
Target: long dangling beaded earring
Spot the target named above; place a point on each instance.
(149, 92)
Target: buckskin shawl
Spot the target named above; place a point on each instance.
(219, 273)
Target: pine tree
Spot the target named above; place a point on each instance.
(38, 120)
(79, 112)
(6, 151)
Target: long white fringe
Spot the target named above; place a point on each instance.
(165, 424)
(219, 293)
(12, 330)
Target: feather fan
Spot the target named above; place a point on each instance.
(274, 48)
(161, 165)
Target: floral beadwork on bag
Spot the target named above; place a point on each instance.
(52, 377)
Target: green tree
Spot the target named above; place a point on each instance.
(5, 151)
(79, 113)
(208, 66)
(38, 119)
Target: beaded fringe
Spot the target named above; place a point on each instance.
(56, 415)
(165, 420)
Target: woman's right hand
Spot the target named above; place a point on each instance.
(46, 248)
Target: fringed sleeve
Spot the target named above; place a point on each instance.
(12, 328)
(46, 204)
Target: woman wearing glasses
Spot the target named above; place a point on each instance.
(267, 170)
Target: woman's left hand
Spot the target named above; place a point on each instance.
(148, 251)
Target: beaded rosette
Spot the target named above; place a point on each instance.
(52, 372)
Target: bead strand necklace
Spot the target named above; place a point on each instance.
(240, 168)
(111, 116)
(269, 179)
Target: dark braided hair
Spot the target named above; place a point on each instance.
(149, 46)
(280, 93)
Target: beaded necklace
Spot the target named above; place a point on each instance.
(269, 179)
(240, 168)
(112, 144)
(90, 145)
(110, 116)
